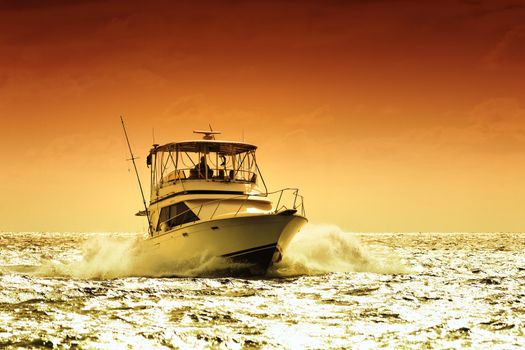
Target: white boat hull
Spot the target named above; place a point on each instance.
(254, 240)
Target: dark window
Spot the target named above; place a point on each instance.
(175, 215)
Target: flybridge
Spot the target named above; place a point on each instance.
(206, 159)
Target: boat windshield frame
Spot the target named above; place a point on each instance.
(212, 146)
(209, 160)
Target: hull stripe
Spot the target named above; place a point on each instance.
(263, 247)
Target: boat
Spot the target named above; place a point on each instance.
(208, 197)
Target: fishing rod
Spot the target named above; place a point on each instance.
(137, 173)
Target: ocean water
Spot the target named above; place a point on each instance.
(332, 290)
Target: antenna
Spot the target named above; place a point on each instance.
(212, 135)
(137, 173)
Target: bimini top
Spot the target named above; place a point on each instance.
(224, 147)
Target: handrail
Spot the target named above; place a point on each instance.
(184, 174)
(217, 207)
(294, 192)
(240, 206)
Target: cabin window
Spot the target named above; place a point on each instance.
(175, 215)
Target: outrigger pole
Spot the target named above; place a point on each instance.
(137, 173)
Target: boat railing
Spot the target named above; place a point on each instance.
(229, 175)
(287, 199)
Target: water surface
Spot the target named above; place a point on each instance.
(333, 290)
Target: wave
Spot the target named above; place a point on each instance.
(115, 257)
(317, 249)
(320, 249)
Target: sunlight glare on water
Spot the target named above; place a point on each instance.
(332, 290)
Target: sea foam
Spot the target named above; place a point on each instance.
(317, 249)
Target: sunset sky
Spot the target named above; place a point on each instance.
(388, 115)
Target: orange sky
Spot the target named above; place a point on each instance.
(389, 115)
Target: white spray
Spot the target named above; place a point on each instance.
(317, 249)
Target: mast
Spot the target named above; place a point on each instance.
(137, 173)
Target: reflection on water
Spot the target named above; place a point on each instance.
(332, 290)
